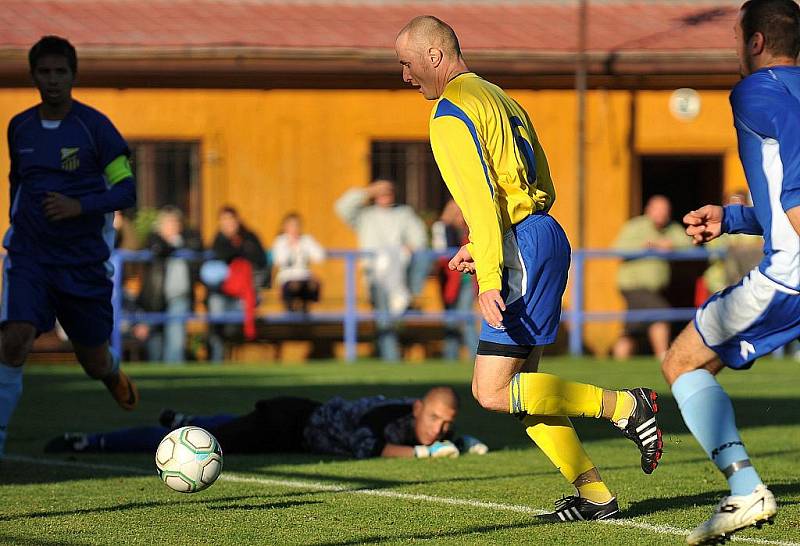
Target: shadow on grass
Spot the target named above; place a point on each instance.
(707, 498)
(28, 541)
(219, 503)
(263, 506)
(433, 535)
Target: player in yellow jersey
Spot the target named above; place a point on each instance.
(493, 164)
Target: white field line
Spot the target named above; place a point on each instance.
(337, 488)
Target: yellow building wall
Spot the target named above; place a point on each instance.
(270, 152)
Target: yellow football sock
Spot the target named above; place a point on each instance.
(545, 394)
(625, 405)
(595, 492)
(557, 439)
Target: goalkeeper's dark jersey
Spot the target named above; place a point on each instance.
(360, 428)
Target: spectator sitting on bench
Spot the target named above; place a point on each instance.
(233, 241)
(366, 427)
(168, 283)
(292, 253)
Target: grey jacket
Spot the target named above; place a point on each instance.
(381, 227)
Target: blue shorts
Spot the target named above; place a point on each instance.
(749, 320)
(78, 296)
(536, 256)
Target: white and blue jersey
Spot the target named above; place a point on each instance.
(58, 269)
(762, 312)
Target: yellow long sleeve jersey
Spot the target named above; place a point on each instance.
(493, 165)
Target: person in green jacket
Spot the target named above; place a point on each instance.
(642, 280)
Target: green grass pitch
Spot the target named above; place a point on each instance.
(308, 499)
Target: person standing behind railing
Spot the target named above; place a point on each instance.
(393, 233)
(233, 241)
(292, 253)
(457, 289)
(168, 284)
(643, 280)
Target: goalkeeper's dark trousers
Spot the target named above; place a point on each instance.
(275, 426)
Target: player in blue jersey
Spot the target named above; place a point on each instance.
(762, 312)
(69, 173)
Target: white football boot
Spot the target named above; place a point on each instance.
(734, 513)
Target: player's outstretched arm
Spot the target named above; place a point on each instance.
(397, 451)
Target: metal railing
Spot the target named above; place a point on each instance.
(577, 314)
(351, 317)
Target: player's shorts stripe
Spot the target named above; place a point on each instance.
(524, 282)
(736, 309)
(447, 108)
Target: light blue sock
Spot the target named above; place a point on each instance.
(10, 391)
(708, 412)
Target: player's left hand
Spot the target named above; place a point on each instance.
(492, 306)
(60, 207)
(462, 261)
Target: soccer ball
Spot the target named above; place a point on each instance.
(189, 459)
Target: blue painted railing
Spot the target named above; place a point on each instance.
(578, 316)
(350, 317)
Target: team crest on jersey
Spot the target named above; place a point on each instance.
(69, 158)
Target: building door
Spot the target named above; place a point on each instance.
(688, 182)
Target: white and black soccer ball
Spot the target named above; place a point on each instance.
(189, 459)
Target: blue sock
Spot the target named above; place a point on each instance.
(10, 391)
(128, 440)
(211, 421)
(708, 412)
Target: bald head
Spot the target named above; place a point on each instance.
(427, 31)
(434, 414)
(428, 50)
(659, 209)
(445, 396)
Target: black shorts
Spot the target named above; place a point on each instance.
(276, 425)
(642, 299)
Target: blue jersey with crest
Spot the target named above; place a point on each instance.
(766, 112)
(68, 159)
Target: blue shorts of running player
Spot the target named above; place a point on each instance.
(536, 256)
(79, 296)
(749, 320)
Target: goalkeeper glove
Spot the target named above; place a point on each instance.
(471, 445)
(436, 449)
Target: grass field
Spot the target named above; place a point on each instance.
(493, 499)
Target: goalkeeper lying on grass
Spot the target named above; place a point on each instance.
(367, 427)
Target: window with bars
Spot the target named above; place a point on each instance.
(410, 164)
(168, 173)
